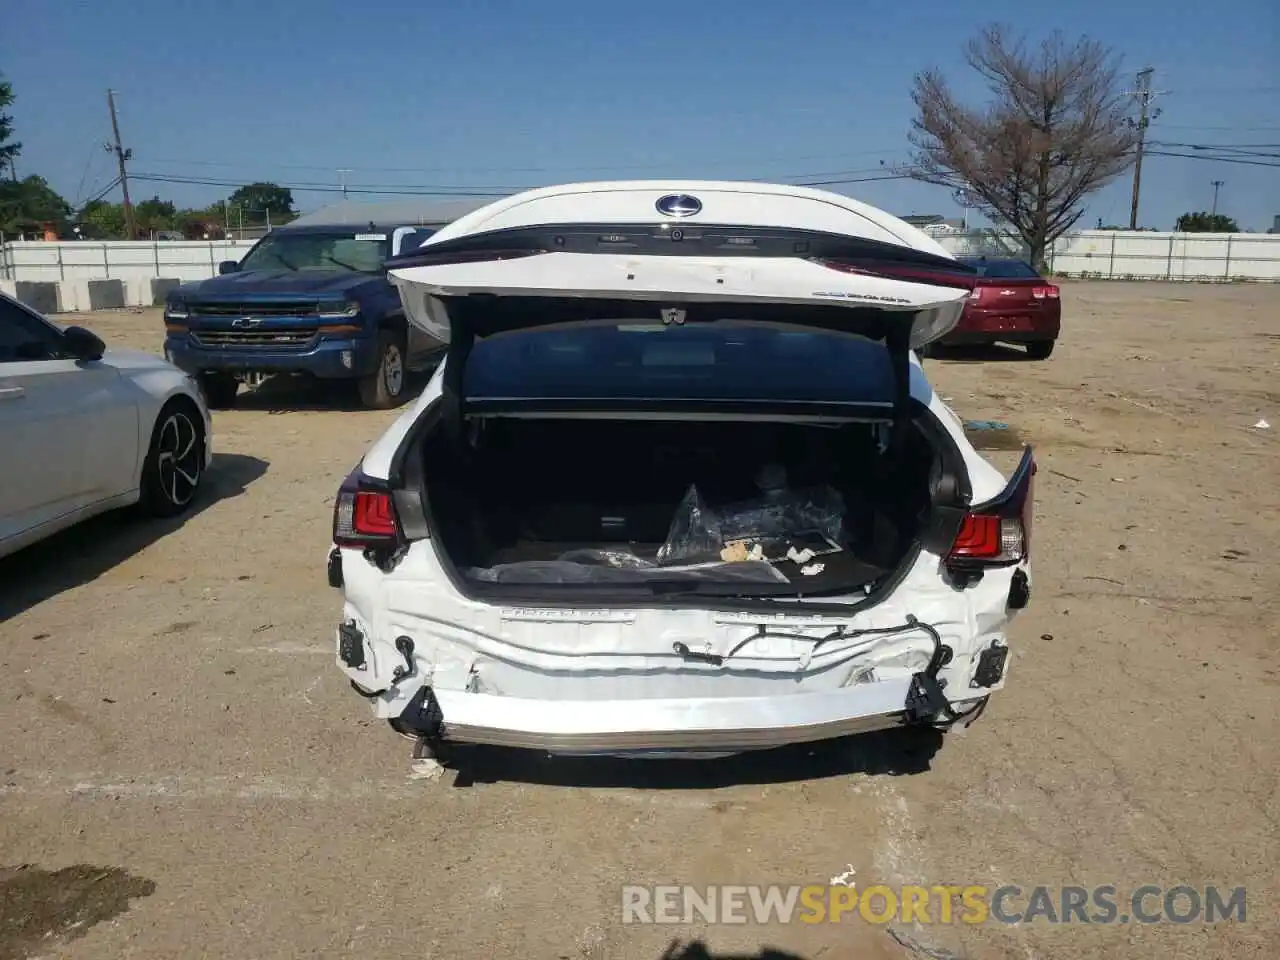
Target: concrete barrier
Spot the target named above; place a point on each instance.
(42, 297)
(160, 288)
(105, 294)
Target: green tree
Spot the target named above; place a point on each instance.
(101, 220)
(155, 214)
(258, 199)
(1202, 222)
(29, 204)
(9, 148)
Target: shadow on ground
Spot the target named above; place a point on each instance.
(979, 353)
(288, 394)
(87, 550)
(697, 950)
(898, 752)
(39, 908)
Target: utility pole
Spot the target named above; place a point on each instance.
(121, 156)
(1216, 185)
(1145, 95)
(342, 175)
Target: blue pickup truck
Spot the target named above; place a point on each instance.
(310, 299)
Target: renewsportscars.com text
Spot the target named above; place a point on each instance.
(944, 904)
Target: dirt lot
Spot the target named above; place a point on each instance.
(185, 773)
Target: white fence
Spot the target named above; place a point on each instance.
(1139, 255)
(1168, 256)
(1088, 253)
(139, 260)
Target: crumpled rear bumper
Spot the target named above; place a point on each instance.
(695, 725)
(719, 723)
(614, 680)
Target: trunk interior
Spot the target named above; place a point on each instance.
(510, 491)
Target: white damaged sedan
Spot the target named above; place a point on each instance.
(680, 485)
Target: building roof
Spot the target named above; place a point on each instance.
(417, 211)
(922, 219)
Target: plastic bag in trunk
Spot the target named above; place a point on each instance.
(780, 519)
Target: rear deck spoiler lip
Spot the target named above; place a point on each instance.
(685, 239)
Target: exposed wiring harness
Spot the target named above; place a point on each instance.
(925, 699)
(844, 633)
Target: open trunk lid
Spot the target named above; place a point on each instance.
(520, 278)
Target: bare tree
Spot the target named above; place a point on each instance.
(1054, 131)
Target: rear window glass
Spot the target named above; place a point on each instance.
(1003, 269)
(645, 360)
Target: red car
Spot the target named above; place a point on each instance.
(1010, 303)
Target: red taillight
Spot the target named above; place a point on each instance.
(363, 517)
(375, 515)
(998, 533)
(1050, 291)
(990, 538)
(976, 293)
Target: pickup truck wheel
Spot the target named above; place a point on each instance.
(219, 390)
(1040, 349)
(384, 388)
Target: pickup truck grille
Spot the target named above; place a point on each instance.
(292, 337)
(288, 308)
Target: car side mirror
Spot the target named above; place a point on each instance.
(81, 344)
(228, 266)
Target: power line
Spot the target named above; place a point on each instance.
(819, 177)
(389, 190)
(1202, 156)
(462, 192)
(93, 155)
(1194, 91)
(830, 183)
(605, 168)
(324, 185)
(1196, 126)
(864, 171)
(1219, 146)
(1241, 151)
(101, 193)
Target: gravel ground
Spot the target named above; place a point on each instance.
(185, 773)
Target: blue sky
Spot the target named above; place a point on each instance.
(505, 94)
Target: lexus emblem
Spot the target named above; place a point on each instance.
(245, 322)
(678, 205)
